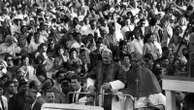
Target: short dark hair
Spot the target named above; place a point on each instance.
(153, 21)
(190, 8)
(34, 85)
(7, 56)
(189, 101)
(148, 56)
(73, 49)
(23, 82)
(8, 83)
(59, 72)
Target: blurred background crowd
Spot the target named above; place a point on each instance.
(49, 48)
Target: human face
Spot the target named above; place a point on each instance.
(65, 85)
(61, 51)
(41, 78)
(31, 95)
(1, 91)
(149, 63)
(127, 60)
(134, 61)
(21, 75)
(50, 96)
(93, 25)
(3, 80)
(16, 83)
(36, 38)
(23, 88)
(83, 57)
(165, 62)
(124, 49)
(12, 88)
(107, 58)
(152, 38)
(74, 54)
(75, 84)
(10, 61)
(26, 61)
(51, 43)
(44, 48)
(61, 75)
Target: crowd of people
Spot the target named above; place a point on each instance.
(52, 50)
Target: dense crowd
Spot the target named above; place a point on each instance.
(50, 50)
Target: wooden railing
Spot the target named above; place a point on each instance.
(173, 83)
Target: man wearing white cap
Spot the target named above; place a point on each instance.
(106, 75)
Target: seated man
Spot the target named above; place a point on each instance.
(76, 87)
(50, 97)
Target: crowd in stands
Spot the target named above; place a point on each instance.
(51, 48)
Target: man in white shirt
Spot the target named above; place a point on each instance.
(10, 46)
(3, 100)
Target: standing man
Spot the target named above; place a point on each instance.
(143, 85)
(106, 75)
(33, 99)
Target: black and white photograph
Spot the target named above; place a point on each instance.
(96, 54)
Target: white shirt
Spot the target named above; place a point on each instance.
(5, 102)
(43, 37)
(118, 35)
(32, 47)
(84, 30)
(135, 11)
(137, 46)
(124, 30)
(76, 95)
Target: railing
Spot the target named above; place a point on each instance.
(83, 93)
(99, 100)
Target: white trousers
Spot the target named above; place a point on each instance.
(128, 103)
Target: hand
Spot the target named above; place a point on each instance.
(91, 90)
(106, 86)
(61, 51)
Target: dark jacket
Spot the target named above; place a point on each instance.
(104, 73)
(37, 105)
(16, 102)
(70, 97)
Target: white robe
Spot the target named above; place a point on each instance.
(127, 102)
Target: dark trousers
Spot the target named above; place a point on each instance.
(107, 102)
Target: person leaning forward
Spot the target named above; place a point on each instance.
(107, 76)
